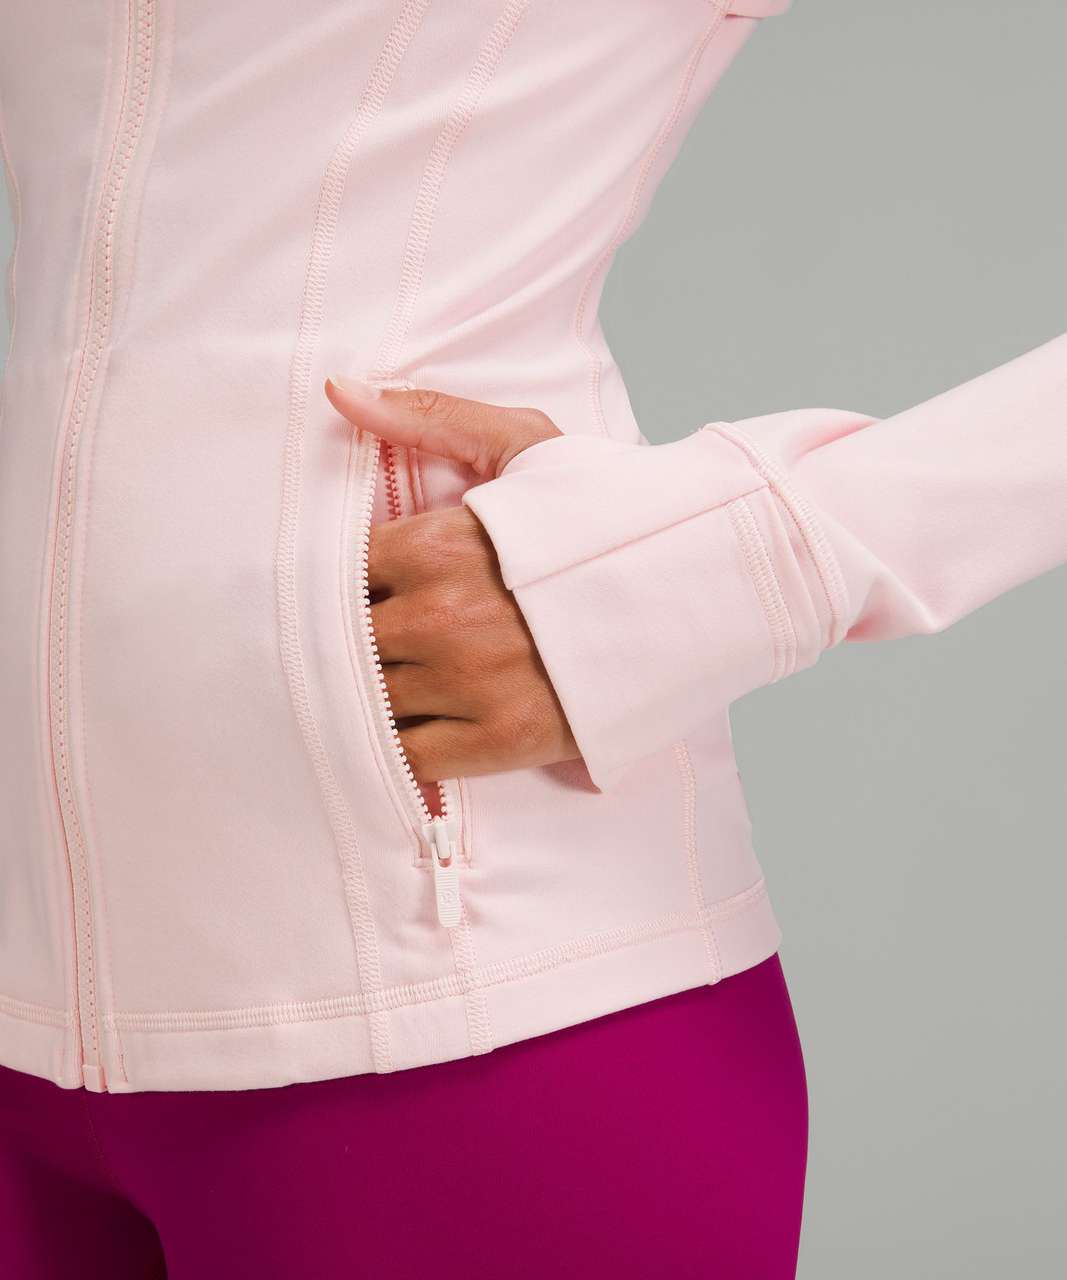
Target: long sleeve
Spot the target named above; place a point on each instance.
(661, 583)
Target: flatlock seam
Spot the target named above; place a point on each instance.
(768, 588)
(80, 303)
(190, 724)
(687, 776)
(626, 225)
(138, 70)
(387, 362)
(475, 1006)
(43, 1015)
(153, 37)
(327, 217)
(814, 539)
(392, 998)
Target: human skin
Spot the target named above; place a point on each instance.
(466, 684)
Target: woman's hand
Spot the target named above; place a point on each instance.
(467, 687)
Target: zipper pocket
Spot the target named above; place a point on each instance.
(437, 832)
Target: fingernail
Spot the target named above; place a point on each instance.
(355, 388)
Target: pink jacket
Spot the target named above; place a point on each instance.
(215, 869)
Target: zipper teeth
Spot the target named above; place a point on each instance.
(370, 646)
(131, 117)
(392, 483)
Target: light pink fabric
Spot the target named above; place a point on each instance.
(736, 555)
(212, 872)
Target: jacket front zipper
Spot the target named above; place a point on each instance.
(137, 75)
(438, 832)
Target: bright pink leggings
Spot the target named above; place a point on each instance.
(667, 1139)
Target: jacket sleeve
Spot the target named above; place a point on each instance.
(662, 583)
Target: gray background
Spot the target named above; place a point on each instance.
(870, 209)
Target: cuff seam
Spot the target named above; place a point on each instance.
(765, 579)
(815, 540)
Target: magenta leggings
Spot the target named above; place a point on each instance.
(667, 1139)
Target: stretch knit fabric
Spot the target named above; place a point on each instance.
(218, 870)
(666, 1139)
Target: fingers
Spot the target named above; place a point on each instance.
(393, 634)
(520, 735)
(417, 627)
(485, 437)
(410, 552)
(415, 690)
(455, 747)
(445, 748)
(385, 569)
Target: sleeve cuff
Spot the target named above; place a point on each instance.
(659, 584)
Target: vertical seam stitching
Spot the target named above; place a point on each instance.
(625, 226)
(815, 540)
(81, 302)
(475, 1001)
(696, 882)
(386, 363)
(326, 218)
(768, 587)
(148, 37)
(138, 70)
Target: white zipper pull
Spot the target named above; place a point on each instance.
(440, 835)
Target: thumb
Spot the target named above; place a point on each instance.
(484, 436)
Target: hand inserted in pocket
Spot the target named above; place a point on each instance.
(466, 684)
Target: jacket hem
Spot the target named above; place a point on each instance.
(531, 995)
(37, 1041)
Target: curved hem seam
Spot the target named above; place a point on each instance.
(392, 998)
